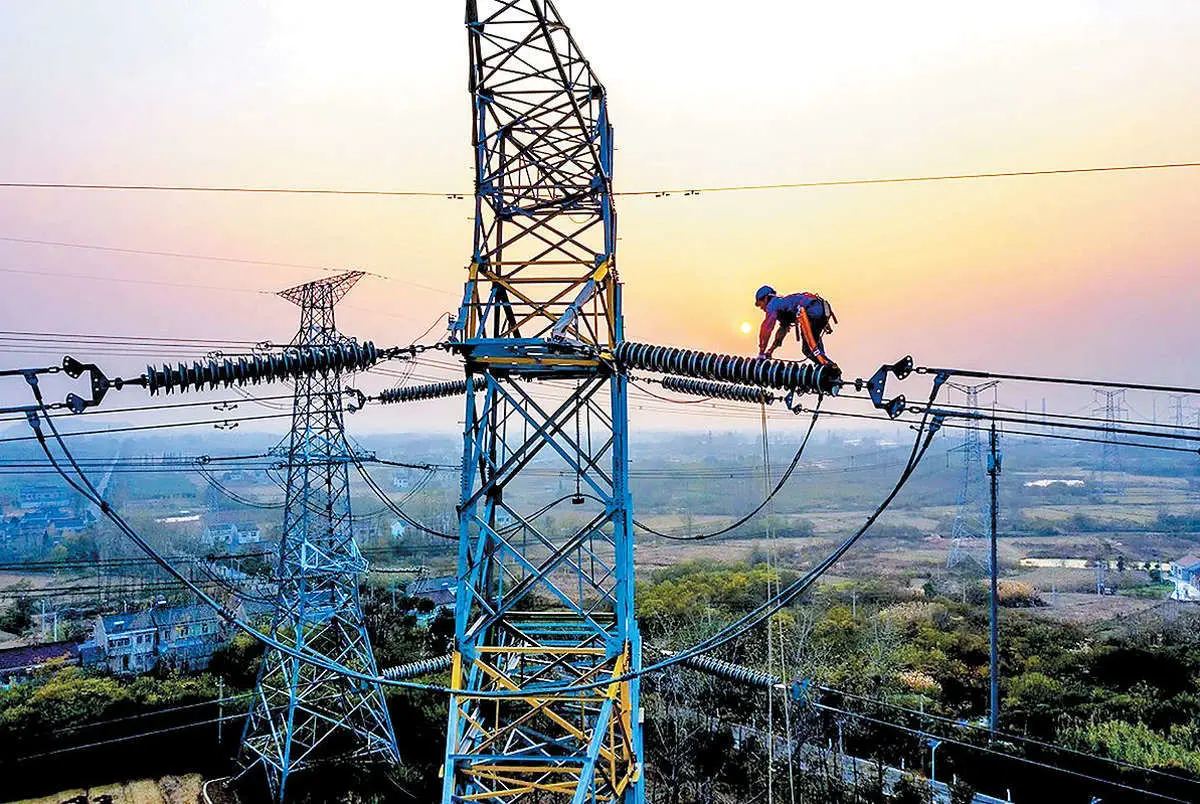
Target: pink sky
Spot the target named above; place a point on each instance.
(1085, 275)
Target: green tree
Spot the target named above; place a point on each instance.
(910, 789)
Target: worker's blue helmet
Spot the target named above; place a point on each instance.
(763, 292)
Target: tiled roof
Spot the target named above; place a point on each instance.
(1187, 562)
(423, 586)
(33, 655)
(130, 621)
(183, 614)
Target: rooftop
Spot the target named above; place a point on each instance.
(33, 655)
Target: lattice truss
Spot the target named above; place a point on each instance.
(545, 228)
(301, 712)
(972, 515)
(544, 605)
(545, 595)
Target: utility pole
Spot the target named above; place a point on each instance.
(993, 470)
(220, 710)
(934, 745)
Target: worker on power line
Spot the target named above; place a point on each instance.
(809, 313)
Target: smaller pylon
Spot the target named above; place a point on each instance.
(1110, 404)
(303, 713)
(973, 509)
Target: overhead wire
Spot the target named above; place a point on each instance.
(966, 724)
(716, 640)
(1033, 378)
(394, 507)
(783, 479)
(660, 192)
(214, 258)
(994, 752)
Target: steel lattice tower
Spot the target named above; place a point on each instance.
(972, 514)
(1112, 405)
(541, 606)
(300, 712)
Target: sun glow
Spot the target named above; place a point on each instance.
(745, 327)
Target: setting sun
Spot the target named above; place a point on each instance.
(746, 327)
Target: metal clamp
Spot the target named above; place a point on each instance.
(877, 386)
(98, 384)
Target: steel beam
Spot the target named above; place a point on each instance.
(545, 586)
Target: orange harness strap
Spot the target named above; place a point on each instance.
(804, 327)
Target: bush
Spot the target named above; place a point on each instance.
(17, 617)
(910, 789)
(961, 792)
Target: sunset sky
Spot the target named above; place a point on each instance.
(1092, 275)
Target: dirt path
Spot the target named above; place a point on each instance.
(167, 790)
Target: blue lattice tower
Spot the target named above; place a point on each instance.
(539, 606)
(972, 513)
(301, 713)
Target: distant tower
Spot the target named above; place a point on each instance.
(1178, 406)
(1110, 404)
(301, 713)
(971, 519)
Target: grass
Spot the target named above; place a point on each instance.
(1154, 591)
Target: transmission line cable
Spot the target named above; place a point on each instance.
(994, 752)
(966, 724)
(383, 193)
(783, 479)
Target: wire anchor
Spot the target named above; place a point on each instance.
(877, 386)
(98, 384)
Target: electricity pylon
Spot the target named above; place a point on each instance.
(544, 611)
(301, 713)
(1115, 411)
(1179, 402)
(973, 509)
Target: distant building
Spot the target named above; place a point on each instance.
(247, 534)
(18, 664)
(228, 535)
(33, 498)
(1185, 573)
(442, 592)
(182, 636)
(222, 535)
(40, 529)
(124, 643)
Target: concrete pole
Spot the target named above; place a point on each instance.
(934, 745)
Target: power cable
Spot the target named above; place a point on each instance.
(1009, 735)
(994, 752)
(393, 506)
(783, 479)
(986, 375)
(627, 193)
(211, 258)
(165, 426)
(716, 640)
